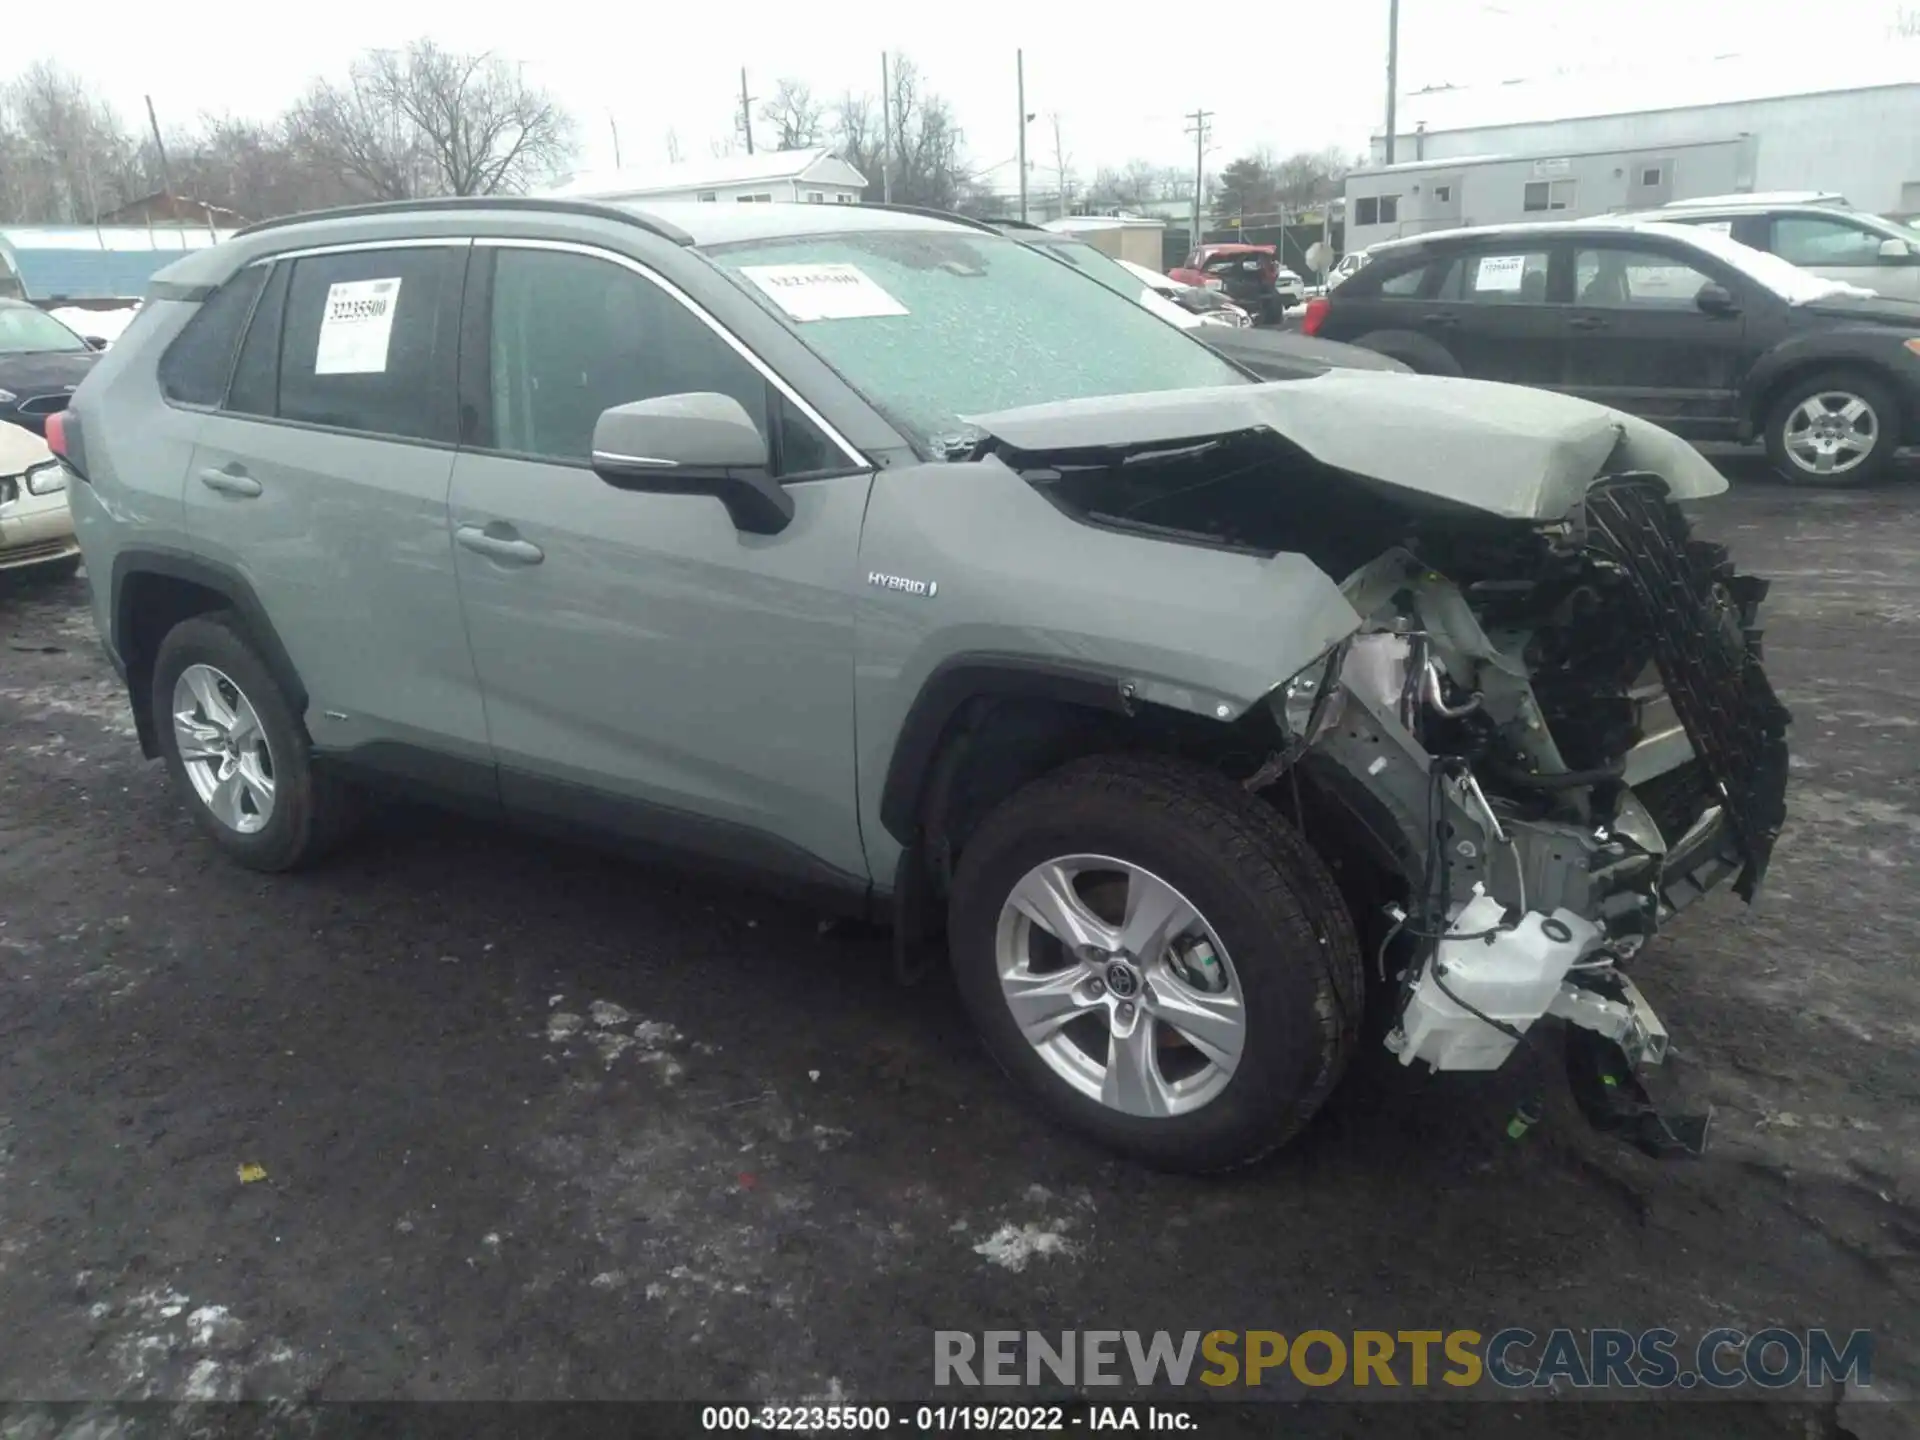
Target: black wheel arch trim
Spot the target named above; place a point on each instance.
(1788, 364)
(222, 580)
(963, 678)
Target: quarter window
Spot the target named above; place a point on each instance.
(573, 335)
(195, 369)
(369, 341)
(1809, 240)
(1406, 283)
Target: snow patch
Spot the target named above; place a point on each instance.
(1014, 1247)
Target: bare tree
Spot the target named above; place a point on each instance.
(1309, 177)
(673, 146)
(432, 122)
(856, 134)
(798, 119)
(63, 155)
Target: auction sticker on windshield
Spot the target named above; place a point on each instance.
(823, 292)
(356, 326)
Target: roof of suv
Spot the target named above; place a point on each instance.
(1545, 229)
(686, 221)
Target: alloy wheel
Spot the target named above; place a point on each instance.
(1831, 432)
(223, 749)
(1120, 985)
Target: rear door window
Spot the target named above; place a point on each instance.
(195, 367)
(370, 340)
(1498, 277)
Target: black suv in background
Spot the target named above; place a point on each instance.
(1680, 325)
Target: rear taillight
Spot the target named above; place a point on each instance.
(1315, 316)
(63, 438)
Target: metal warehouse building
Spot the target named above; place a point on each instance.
(1576, 145)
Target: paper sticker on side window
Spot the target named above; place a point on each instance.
(356, 327)
(1500, 272)
(823, 292)
(1718, 227)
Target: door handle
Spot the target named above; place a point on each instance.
(1442, 321)
(508, 549)
(230, 482)
(1586, 322)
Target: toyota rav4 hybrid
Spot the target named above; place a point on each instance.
(894, 559)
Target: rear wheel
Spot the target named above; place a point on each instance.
(1832, 430)
(1159, 957)
(235, 750)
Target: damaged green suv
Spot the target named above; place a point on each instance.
(877, 554)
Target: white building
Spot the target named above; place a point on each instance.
(1784, 123)
(816, 176)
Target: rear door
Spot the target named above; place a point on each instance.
(1496, 311)
(1842, 248)
(1638, 340)
(322, 480)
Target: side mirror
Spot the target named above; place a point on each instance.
(1897, 251)
(1716, 300)
(95, 342)
(700, 443)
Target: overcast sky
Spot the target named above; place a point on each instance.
(1120, 87)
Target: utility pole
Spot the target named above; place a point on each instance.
(886, 133)
(1393, 68)
(1199, 130)
(614, 126)
(1059, 166)
(166, 177)
(746, 110)
(1020, 86)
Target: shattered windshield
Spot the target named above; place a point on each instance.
(934, 325)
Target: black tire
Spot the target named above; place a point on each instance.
(311, 812)
(1858, 383)
(1265, 893)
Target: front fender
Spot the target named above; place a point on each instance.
(964, 561)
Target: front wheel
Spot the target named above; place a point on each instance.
(1160, 957)
(1833, 430)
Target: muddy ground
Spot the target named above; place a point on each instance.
(535, 1123)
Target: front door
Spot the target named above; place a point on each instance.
(647, 668)
(323, 481)
(1638, 339)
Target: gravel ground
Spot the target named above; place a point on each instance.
(537, 1124)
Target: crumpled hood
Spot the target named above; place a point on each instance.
(1504, 449)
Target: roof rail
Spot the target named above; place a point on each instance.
(444, 203)
(929, 212)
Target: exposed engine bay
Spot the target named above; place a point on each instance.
(1556, 733)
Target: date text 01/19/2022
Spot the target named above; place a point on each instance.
(940, 1419)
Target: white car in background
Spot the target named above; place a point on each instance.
(1348, 265)
(36, 528)
(1209, 307)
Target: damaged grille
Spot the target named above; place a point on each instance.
(1701, 616)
